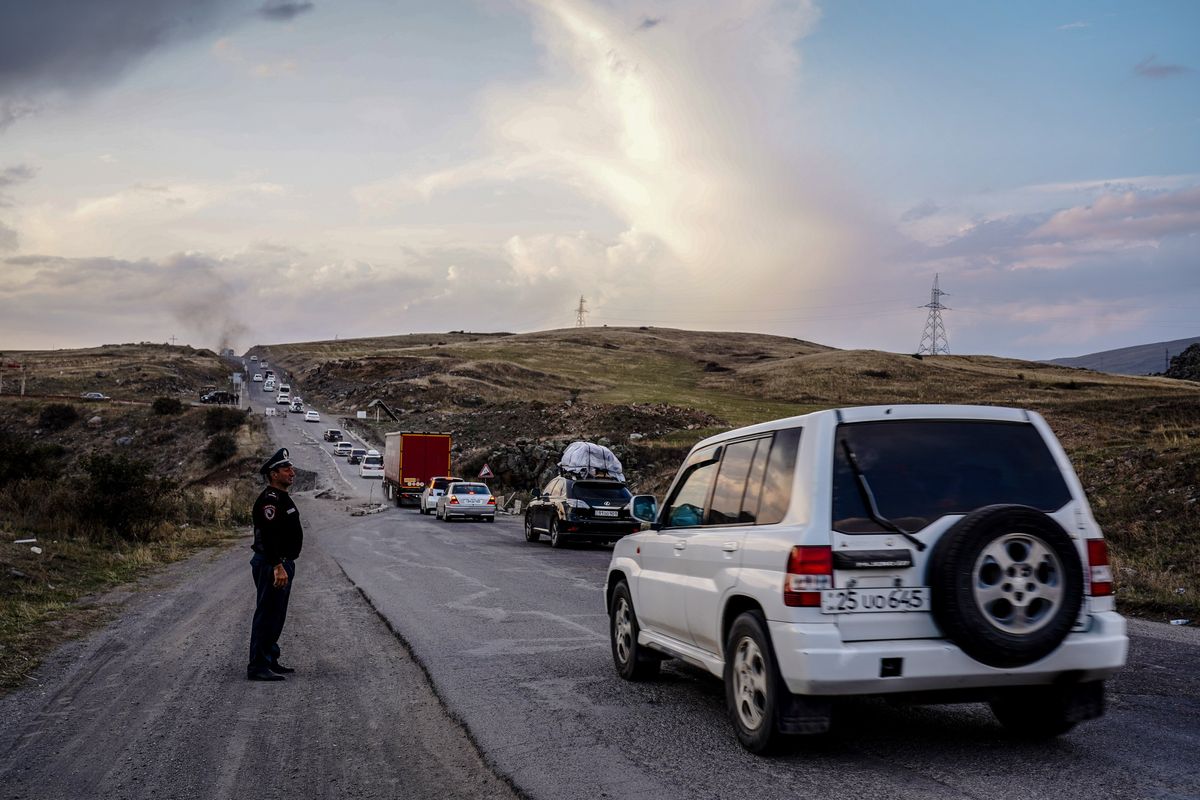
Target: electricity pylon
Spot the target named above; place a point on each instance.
(933, 340)
(581, 313)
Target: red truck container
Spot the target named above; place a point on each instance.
(410, 460)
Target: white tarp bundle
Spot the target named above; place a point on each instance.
(587, 460)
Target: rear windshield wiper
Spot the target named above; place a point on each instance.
(868, 498)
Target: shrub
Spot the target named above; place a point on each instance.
(20, 458)
(123, 497)
(58, 416)
(221, 447)
(165, 406)
(218, 420)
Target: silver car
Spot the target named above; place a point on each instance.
(467, 500)
(435, 489)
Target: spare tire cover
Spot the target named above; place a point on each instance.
(1006, 585)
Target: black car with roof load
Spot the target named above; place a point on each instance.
(580, 510)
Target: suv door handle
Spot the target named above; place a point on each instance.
(680, 545)
(729, 547)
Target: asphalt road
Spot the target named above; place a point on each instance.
(513, 639)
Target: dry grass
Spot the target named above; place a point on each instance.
(48, 598)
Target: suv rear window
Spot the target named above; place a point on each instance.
(600, 491)
(922, 470)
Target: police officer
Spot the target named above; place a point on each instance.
(278, 538)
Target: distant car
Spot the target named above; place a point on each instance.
(333, 435)
(219, 397)
(269, 386)
(357, 454)
(283, 399)
(254, 358)
(312, 416)
(435, 489)
(258, 377)
(342, 449)
(94, 396)
(372, 466)
(585, 510)
(296, 407)
(467, 500)
(263, 363)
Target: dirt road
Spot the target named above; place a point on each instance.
(157, 705)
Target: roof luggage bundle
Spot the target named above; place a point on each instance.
(588, 460)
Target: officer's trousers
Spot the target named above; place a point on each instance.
(270, 611)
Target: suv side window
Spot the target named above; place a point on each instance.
(736, 463)
(686, 507)
(777, 483)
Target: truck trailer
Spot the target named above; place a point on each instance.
(410, 460)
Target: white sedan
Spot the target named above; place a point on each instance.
(258, 377)
(312, 416)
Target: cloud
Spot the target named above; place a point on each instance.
(1128, 216)
(1150, 68)
(649, 22)
(1071, 26)
(283, 10)
(920, 211)
(11, 176)
(677, 138)
(8, 238)
(75, 46)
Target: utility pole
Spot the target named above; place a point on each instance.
(172, 340)
(934, 340)
(581, 313)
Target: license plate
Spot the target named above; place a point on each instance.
(868, 601)
(604, 512)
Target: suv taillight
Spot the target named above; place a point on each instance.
(810, 569)
(1099, 571)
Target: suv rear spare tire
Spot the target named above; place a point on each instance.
(1006, 584)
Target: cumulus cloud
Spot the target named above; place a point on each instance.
(72, 47)
(283, 10)
(673, 136)
(1150, 68)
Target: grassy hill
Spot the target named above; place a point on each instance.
(515, 400)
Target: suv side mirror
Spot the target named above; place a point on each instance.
(644, 508)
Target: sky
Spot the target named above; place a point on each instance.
(239, 172)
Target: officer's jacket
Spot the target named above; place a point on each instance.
(277, 531)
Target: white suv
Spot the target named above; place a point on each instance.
(938, 553)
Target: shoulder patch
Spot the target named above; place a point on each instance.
(269, 512)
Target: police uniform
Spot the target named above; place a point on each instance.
(278, 538)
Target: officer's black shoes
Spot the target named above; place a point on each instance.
(279, 669)
(262, 674)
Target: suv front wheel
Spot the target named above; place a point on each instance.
(633, 662)
(753, 686)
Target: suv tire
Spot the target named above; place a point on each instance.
(556, 539)
(1006, 585)
(530, 534)
(754, 689)
(633, 661)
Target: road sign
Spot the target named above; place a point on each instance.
(486, 472)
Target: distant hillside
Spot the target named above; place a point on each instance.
(1142, 359)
